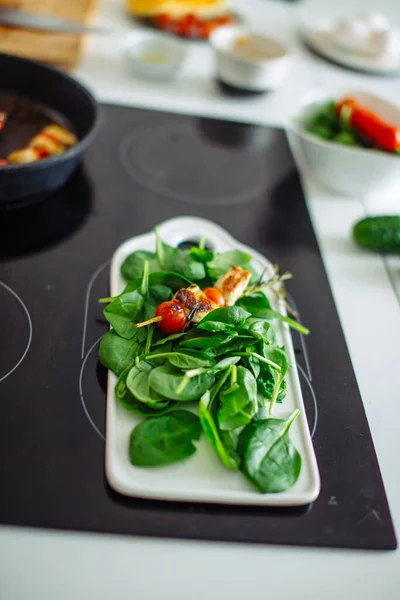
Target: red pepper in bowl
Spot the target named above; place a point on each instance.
(369, 125)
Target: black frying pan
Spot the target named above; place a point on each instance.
(58, 94)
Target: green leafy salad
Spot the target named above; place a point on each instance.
(192, 362)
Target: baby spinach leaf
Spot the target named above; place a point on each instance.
(131, 286)
(170, 279)
(279, 357)
(201, 339)
(276, 355)
(132, 267)
(184, 264)
(223, 364)
(212, 432)
(238, 344)
(253, 365)
(214, 326)
(271, 336)
(282, 391)
(224, 261)
(121, 389)
(122, 312)
(270, 460)
(158, 293)
(137, 382)
(167, 379)
(149, 339)
(272, 314)
(164, 252)
(191, 359)
(144, 286)
(262, 330)
(169, 338)
(257, 304)
(227, 316)
(179, 261)
(238, 404)
(185, 360)
(201, 255)
(116, 353)
(130, 403)
(266, 384)
(164, 440)
(230, 442)
(141, 335)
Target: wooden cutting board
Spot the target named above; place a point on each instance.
(61, 49)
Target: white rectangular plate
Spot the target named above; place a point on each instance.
(203, 478)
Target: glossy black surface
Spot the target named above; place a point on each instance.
(57, 93)
(54, 255)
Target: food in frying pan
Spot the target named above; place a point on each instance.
(3, 117)
(51, 140)
(30, 132)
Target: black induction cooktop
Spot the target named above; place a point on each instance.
(143, 168)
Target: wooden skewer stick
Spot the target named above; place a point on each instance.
(149, 322)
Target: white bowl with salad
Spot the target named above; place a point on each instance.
(350, 142)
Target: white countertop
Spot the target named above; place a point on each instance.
(48, 565)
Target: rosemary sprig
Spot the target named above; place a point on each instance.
(275, 283)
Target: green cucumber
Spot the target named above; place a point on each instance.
(381, 234)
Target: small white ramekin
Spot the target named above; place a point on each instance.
(248, 74)
(142, 44)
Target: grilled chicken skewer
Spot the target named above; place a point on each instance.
(52, 140)
(233, 284)
(194, 301)
(191, 304)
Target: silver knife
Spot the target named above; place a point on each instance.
(29, 20)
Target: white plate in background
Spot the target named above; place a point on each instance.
(203, 478)
(320, 38)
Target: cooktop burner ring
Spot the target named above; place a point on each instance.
(28, 316)
(81, 393)
(313, 396)
(93, 278)
(175, 161)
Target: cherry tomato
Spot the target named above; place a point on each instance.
(215, 295)
(173, 317)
